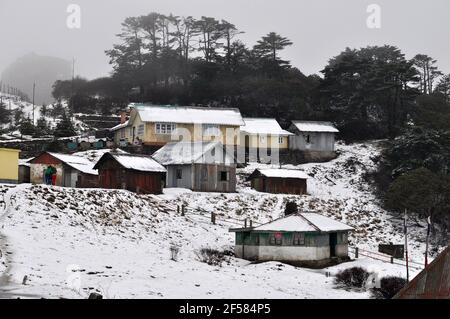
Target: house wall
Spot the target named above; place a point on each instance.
(37, 173)
(257, 141)
(9, 165)
(256, 246)
(279, 185)
(192, 177)
(319, 142)
(150, 136)
(114, 176)
(24, 174)
(186, 176)
(212, 182)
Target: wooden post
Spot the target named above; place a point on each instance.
(245, 223)
(178, 209)
(251, 222)
(183, 212)
(213, 218)
(356, 252)
(392, 260)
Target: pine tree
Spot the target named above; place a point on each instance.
(270, 45)
(65, 127)
(26, 127)
(4, 114)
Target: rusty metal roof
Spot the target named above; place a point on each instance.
(431, 283)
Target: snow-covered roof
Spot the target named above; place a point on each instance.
(189, 115)
(183, 153)
(77, 162)
(314, 126)
(25, 162)
(263, 126)
(283, 173)
(118, 127)
(141, 163)
(304, 222)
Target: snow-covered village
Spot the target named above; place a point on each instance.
(206, 165)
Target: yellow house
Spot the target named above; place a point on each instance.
(263, 133)
(9, 165)
(156, 125)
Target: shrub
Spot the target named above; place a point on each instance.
(354, 277)
(213, 257)
(389, 287)
(291, 208)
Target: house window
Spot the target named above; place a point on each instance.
(280, 140)
(165, 128)
(299, 239)
(140, 131)
(179, 173)
(211, 130)
(276, 239)
(262, 139)
(224, 176)
(343, 238)
(308, 139)
(122, 133)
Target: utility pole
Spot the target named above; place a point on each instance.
(428, 237)
(72, 88)
(406, 247)
(34, 89)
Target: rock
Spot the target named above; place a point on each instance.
(95, 295)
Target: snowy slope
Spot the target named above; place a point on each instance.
(69, 242)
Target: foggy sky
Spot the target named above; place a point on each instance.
(320, 29)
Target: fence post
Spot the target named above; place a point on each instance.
(178, 209)
(251, 222)
(182, 210)
(392, 260)
(213, 218)
(356, 252)
(245, 223)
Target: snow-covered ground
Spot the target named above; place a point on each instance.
(61, 242)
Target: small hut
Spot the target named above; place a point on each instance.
(308, 239)
(315, 140)
(71, 170)
(199, 166)
(136, 173)
(279, 181)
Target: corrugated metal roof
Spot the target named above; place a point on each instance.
(304, 222)
(263, 126)
(431, 283)
(315, 126)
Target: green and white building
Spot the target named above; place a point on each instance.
(302, 238)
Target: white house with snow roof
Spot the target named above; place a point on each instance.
(308, 239)
(156, 125)
(315, 139)
(260, 136)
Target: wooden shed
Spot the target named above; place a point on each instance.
(9, 165)
(304, 239)
(199, 166)
(279, 181)
(136, 173)
(71, 170)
